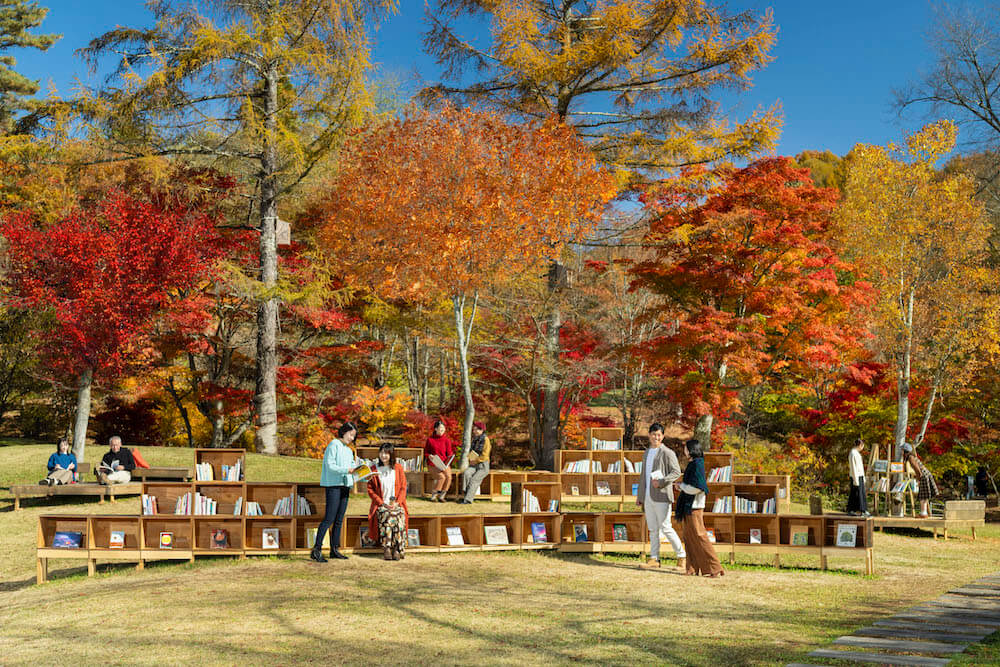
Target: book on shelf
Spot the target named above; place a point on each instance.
(204, 504)
(149, 505)
(203, 472)
(574, 490)
(166, 539)
(455, 538)
(847, 534)
(496, 534)
(896, 467)
(635, 489)
(413, 537)
(529, 502)
(116, 540)
(580, 532)
(220, 538)
(436, 461)
(605, 445)
(755, 535)
(270, 538)
(721, 474)
(880, 465)
(538, 532)
(253, 508)
(505, 488)
(723, 505)
(67, 539)
(711, 534)
(799, 535)
(619, 532)
(364, 539)
(553, 505)
(311, 538)
(603, 488)
(183, 505)
(233, 473)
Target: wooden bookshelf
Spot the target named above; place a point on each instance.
(636, 533)
(430, 530)
(225, 494)
(268, 495)
(610, 434)
(593, 523)
(206, 523)
(218, 458)
(471, 527)
(512, 524)
(166, 494)
(499, 479)
(546, 492)
(100, 533)
(315, 495)
(182, 528)
(552, 523)
(255, 527)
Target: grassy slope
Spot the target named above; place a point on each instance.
(500, 608)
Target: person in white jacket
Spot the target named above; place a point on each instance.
(857, 499)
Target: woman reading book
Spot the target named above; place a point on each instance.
(438, 453)
(927, 487)
(388, 515)
(336, 480)
(62, 465)
(701, 558)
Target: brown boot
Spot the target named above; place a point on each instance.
(651, 564)
(387, 554)
(682, 563)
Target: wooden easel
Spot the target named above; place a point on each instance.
(883, 481)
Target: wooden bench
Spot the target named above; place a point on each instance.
(179, 473)
(957, 514)
(80, 489)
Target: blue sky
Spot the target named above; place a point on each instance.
(834, 69)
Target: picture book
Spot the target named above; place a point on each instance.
(363, 472)
(436, 461)
(220, 538)
(799, 535)
(504, 488)
(364, 541)
(880, 465)
(619, 532)
(580, 532)
(455, 538)
(413, 537)
(896, 466)
(166, 540)
(603, 488)
(311, 538)
(755, 536)
(105, 467)
(269, 538)
(553, 505)
(67, 539)
(574, 490)
(635, 489)
(496, 534)
(117, 539)
(847, 534)
(711, 535)
(538, 533)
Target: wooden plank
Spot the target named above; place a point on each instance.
(907, 633)
(880, 658)
(933, 648)
(976, 592)
(963, 602)
(914, 624)
(955, 614)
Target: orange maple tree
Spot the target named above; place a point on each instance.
(441, 205)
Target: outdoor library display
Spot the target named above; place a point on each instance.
(285, 516)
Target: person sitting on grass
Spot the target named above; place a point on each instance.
(117, 465)
(62, 465)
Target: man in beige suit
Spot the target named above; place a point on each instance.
(656, 497)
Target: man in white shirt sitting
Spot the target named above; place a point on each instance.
(656, 497)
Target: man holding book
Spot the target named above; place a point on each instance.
(117, 465)
(656, 496)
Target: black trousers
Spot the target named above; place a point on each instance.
(857, 499)
(336, 508)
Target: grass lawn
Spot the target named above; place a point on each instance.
(495, 608)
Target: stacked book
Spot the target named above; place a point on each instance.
(583, 466)
(233, 473)
(183, 505)
(410, 465)
(292, 504)
(605, 445)
(149, 504)
(203, 472)
(723, 505)
(723, 474)
(204, 504)
(529, 502)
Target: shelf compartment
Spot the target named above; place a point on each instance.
(183, 537)
(166, 494)
(635, 531)
(206, 523)
(102, 526)
(255, 527)
(593, 524)
(511, 522)
(552, 524)
(471, 528)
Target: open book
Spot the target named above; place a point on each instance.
(363, 472)
(104, 467)
(438, 463)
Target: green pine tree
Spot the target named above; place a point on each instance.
(17, 17)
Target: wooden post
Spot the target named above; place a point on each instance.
(869, 561)
(17, 502)
(973, 533)
(91, 566)
(141, 565)
(777, 560)
(822, 561)
(42, 570)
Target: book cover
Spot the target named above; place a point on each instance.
(755, 536)
(881, 465)
(603, 488)
(635, 489)
(538, 533)
(220, 538)
(847, 534)
(496, 534)
(580, 532)
(504, 488)
(311, 538)
(619, 532)
(574, 490)
(711, 535)
(455, 538)
(363, 472)
(896, 466)
(166, 540)
(413, 537)
(800, 535)
(553, 505)
(67, 539)
(117, 539)
(364, 540)
(436, 461)
(270, 538)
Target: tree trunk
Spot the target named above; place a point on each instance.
(550, 383)
(464, 336)
(903, 382)
(703, 430)
(82, 413)
(265, 397)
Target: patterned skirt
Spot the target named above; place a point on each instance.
(928, 488)
(391, 527)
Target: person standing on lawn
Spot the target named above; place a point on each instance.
(701, 558)
(656, 497)
(857, 499)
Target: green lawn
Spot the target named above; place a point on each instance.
(495, 608)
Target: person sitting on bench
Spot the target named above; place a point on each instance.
(117, 465)
(62, 465)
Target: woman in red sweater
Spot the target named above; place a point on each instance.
(388, 516)
(437, 453)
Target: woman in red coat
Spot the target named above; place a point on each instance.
(388, 516)
(438, 453)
